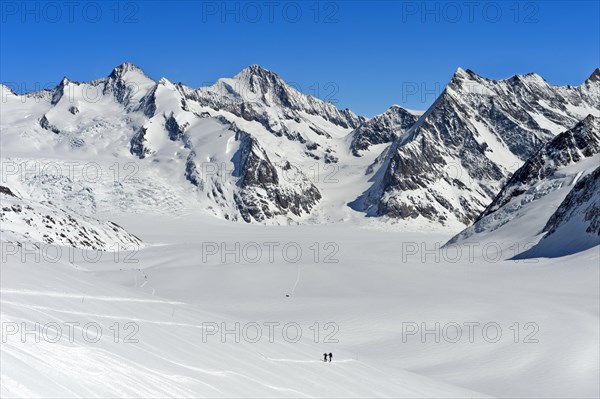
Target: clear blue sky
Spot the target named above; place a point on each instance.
(375, 53)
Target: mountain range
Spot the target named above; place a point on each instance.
(252, 148)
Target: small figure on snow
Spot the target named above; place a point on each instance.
(330, 356)
(324, 357)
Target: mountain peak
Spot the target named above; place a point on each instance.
(257, 71)
(124, 68)
(461, 73)
(462, 80)
(4, 90)
(595, 76)
(532, 78)
(255, 68)
(395, 108)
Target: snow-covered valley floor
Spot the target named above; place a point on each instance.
(365, 292)
(199, 306)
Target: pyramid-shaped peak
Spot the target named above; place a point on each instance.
(463, 77)
(256, 70)
(462, 73)
(124, 68)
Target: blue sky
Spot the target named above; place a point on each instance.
(361, 55)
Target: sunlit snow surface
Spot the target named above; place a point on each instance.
(377, 287)
(373, 289)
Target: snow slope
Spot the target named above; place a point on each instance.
(518, 215)
(170, 358)
(376, 286)
(575, 225)
(26, 221)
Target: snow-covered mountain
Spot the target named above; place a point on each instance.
(382, 129)
(253, 148)
(244, 143)
(572, 146)
(536, 193)
(257, 94)
(458, 155)
(575, 226)
(26, 221)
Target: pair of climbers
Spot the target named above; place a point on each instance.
(325, 355)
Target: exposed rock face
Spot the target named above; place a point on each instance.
(575, 225)
(255, 91)
(263, 194)
(553, 168)
(444, 166)
(174, 129)
(583, 141)
(583, 202)
(256, 189)
(6, 191)
(137, 144)
(59, 91)
(45, 124)
(458, 155)
(30, 221)
(382, 129)
(128, 84)
(259, 188)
